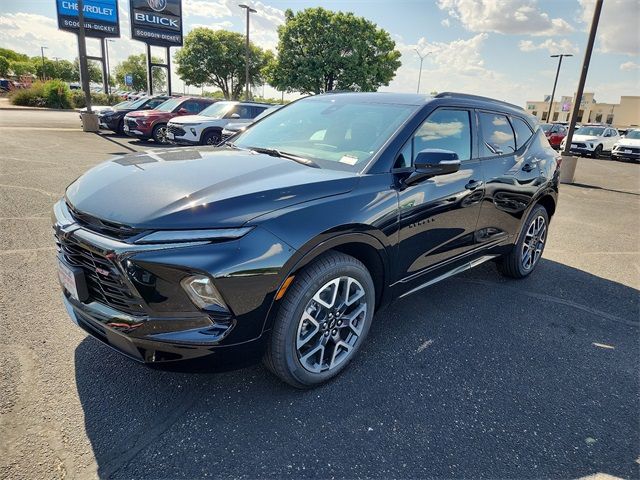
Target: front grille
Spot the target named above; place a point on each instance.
(580, 145)
(104, 227)
(177, 131)
(132, 123)
(632, 149)
(104, 281)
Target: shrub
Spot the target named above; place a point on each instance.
(56, 94)
(29, 97)
(77, 99)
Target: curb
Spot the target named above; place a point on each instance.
(38, 109)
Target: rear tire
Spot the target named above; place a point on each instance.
(526, 253)
(322, 321)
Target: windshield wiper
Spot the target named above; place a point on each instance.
(280, 154)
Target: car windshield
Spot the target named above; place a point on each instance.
(138, 103)
(592, 131)
(266, 112)
(333, 132)
(545, 127)
(633, 134)
(169, 105)
(217, 110)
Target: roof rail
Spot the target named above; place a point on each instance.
(475, 97)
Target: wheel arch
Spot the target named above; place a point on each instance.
(364, 247)
(549, 203)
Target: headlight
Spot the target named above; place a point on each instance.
(202, 292)
(183, 236)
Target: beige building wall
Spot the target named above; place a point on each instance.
(620, 115)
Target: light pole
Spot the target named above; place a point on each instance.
(553, 92)
(422, 57)
(42, 53)
(106, 53)
(247, 52)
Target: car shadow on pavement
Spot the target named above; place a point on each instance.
(477, 376)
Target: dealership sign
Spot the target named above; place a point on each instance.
(100, 17)
(157, 22)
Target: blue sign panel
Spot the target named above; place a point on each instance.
(157, 22)
(100, 17)
(128, 80)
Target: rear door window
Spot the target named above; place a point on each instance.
(522, 131)
(497, 135)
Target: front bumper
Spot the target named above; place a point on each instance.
(626, 154)
(157, 323)
(160, 340)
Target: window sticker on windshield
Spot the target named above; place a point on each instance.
(349, 159)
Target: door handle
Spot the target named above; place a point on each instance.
(473, 184)
(527, 167)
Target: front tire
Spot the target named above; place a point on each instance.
(322, 322)
(526, 253)
(159, 134)
(597, 152)
(211, 138)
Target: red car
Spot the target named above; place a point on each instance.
(148, 124)
(555, 133)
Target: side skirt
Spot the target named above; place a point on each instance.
(451, 273)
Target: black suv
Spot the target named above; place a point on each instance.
(283, 244)
(113, 119)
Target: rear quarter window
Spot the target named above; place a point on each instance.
(522, 131)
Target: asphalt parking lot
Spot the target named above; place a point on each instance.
(477, 376)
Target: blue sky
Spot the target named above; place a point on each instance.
(498, 48)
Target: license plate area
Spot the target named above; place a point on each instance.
(73, 281)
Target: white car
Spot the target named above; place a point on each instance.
(206, 127)
(628, 147)
(593, 140)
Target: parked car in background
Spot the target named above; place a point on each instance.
(114, 119)
(283, 244)
(206, 127)
(152, 124)
(593, 140)
(555, 133)
(628, 148)
(232, 128)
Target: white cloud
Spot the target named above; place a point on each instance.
(618, 25)
(206, 9)
(521, 17)
(445, 23)
(626, 66)
(453, 66)
(553, 46)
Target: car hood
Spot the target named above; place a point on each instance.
(629, 142)
(585, 138)
(145, 113)
(199, 188)
(195, 119)
(236, 126)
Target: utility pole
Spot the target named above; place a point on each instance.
(422, 57)
(42, 53)
(583, 75)
(553, 92)
(82, 60)
(247, 52)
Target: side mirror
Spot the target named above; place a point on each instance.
(235, 115)
(183, 111)
(432, 162)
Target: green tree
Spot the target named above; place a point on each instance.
(13, 56)
(217, 58)
(320, 50)
(4, 66)
(22, 67)
(136, 65)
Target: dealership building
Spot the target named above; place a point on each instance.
(620, 115)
